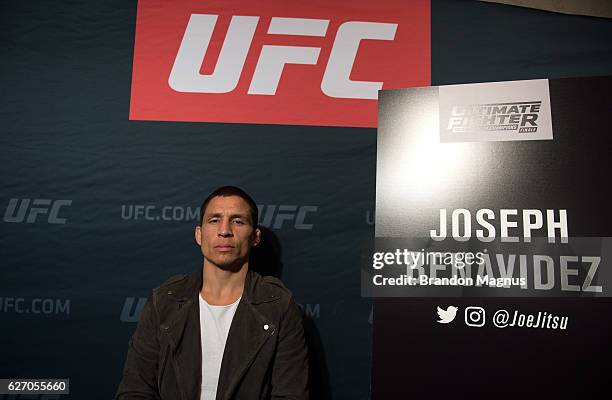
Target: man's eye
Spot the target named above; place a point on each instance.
(239, 221)
(213, 220)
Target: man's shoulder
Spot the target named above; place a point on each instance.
(272, 287)
(173, 280)
(275, 283)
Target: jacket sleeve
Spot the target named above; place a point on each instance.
(290, 372)
(139, 381)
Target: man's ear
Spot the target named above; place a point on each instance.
(198, 235)
(256, 237)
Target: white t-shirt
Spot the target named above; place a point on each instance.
(215, 323)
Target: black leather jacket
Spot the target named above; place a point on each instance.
(265, 355)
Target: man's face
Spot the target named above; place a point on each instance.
(227, 233)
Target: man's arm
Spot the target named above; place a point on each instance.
(139, 381)
(290, 373)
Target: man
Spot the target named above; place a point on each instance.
(224, 332)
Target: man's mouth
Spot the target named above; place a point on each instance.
(224, 247)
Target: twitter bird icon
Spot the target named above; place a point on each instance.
(447, 315)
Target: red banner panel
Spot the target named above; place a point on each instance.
(276, 62)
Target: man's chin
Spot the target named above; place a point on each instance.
(227, 265)
(231, 267)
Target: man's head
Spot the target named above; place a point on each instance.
(228, 228)
(226, 191)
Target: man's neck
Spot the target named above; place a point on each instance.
(222, 287)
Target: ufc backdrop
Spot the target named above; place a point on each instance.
(112, 136)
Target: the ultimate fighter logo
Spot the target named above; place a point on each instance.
(518, 117)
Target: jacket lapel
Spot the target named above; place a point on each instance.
(246, 337)
(184, 334)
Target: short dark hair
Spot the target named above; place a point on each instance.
(225, 191)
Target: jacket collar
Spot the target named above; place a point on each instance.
(253, 293)
(248, 333)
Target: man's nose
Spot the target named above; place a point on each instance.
(225, 229)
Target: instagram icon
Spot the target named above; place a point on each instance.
(474, 316)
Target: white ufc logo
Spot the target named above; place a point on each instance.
(186, 77)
